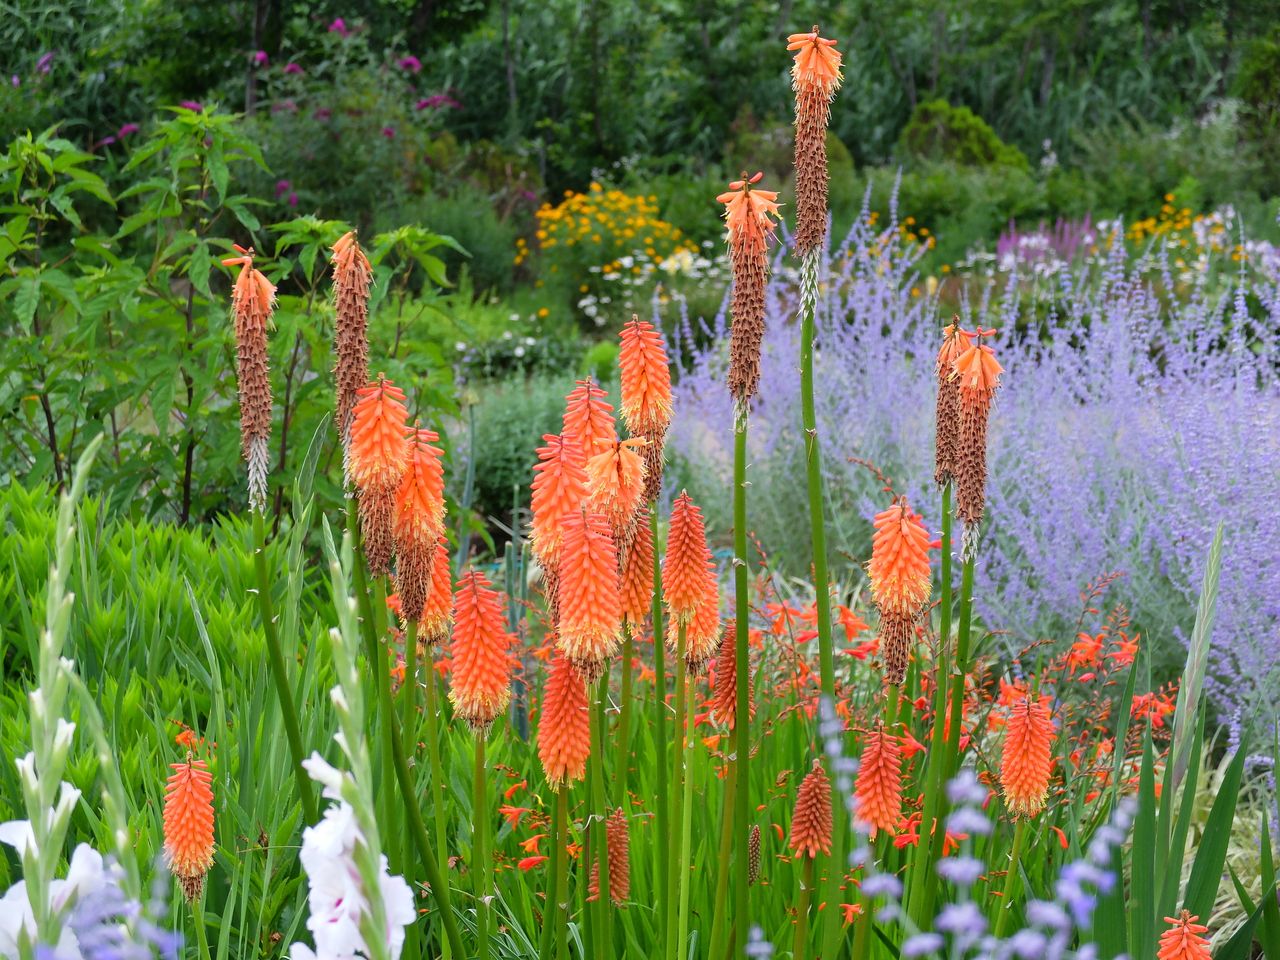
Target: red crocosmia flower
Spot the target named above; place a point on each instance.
(513, 815)
(850, 910)
(512, 790)
(531, 845)
(528, 863)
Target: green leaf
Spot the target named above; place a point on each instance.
(62, 203)
(1142, 906)
(1270, 935)
(1206, 871)
(1197, 657)
(1240, 946)
(27, 298)
(1170, 866)
(198, 268)
(244, 214)
(218, 169)
(135, 222)
(63, 286)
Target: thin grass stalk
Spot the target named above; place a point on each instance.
(275, 657)
(480, 847)
(599, 845)
(742, 721)
(801, 948)
(686, 826)
(562, 875)
(920, 895)
(677, 864)
(387, 774)
(435, 876)
(202, 935)
(409, 705)
(719, 927)
(1012, 879)
(550, 906)
(437, 788)
(660, 728)
(622, 773)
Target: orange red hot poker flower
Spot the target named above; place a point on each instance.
(900, 582)
(645, 376)
(947, 435)
(636, 584)
(977, 373)
(188, 825)
(878, 792)
(378, 455)
(1027, 761)
(352, 276)
(811, 821)
(588, 418)
(688, 567)
(590, 607)
(724, 697)
(419, 522)
(1183, 940)
(252, 300)
(815, 77)
(749, 221)
(615, 484)
(480, 685)
(564, 733)
(437, 612)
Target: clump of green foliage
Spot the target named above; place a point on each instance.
(939, 131)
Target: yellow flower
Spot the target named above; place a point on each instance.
(543, 312)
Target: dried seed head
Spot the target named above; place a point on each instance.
(188, 825)
(590, 607)
(352, 276)
(878, 792)
(897, 637)
(564, 734)
(480, 685)
(724, 698)
(811, 822)
(753, 855)
(377, 528)
(252, 300)
(1027, 761)
(815, 77)
(1182, 941)
(637, 573)
(749, 218)
(977, 375)
(947, 434)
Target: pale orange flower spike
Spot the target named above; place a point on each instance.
(636, 583)
(559, 491)
(702, 631)
(480, 682)
(590, 607)
(588, 418)
(899, 567)
(377, 456)
(645, 379)
(688, 565)
(252, 299)
(564, 733)
(811, 821)
(815, 77)
(878, 792)
(750, 215)
(419, 521)
(1182, 941)
(615, 484)
(188, 825)
(749, 220)
(437, 612)
(816, 64)
(1027, 761)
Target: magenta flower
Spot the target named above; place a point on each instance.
(339, 26)
(410, 63)
(16, 80)
(104, 142)
(284, 106)
(293, 199)
(324, 113)
(191, 105)
(127, 130)
(260, 58)
(437, 101)
(292, 68)
(45, 63)
(389, 132)
(282, 187)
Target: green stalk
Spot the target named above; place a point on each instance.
(550, 908)
(409, 704)
(801, 948)
(480, 847)
(678, 866)
(1012, 879)
(437, 775)
(742, 609)
(686, 828)
(377, 664)
(622, 773)
(562, 874)
(660, 729)
(599, 845)
(718, 924)
(276, 658)
(963, 666)
(926, 853)
(202, 935)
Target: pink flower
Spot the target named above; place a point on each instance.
(410, 63)
(282, 187)
(260, 58)
(324, 113)
(191, 105)
(45, 63)
(16, 80)
(437, 101)
(292, 68)
(389, 132)
(293, 199)
(127, 130)
(339, 26)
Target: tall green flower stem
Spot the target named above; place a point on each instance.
(599, 845)
(622, 772)
(718, 925)
(1012, 879)
(561, 906)
(409, 706)
(934, 798)
(686, 822)
(742, 720)
(437, 787)
(801, 948)
(660, 728)
(377, 664)
(480, 846)
(679, 868)
(278, 673)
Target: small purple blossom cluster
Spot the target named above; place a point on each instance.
(1130, 424)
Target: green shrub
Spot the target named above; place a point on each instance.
(939, 131)
(468, 217)
(1258, 87)
(600, 361)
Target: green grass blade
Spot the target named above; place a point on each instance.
(1270, 935)
(1171, 868)
(1197, 657)
(1142, 900)
(1206, 871)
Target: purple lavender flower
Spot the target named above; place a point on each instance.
(45, 63)
(292, 68)
(962, 871)
(922, 944)
(964, 788)
(16, 81)
(966, 820)
(127, 130)
(339, 26)
(882, 885)
(410, 63)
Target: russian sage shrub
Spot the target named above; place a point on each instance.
(1145, 414)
